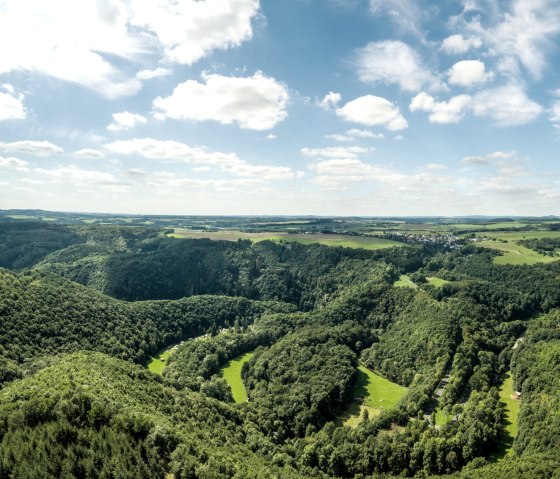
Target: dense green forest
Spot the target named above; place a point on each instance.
(84, 307)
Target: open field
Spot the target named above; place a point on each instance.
(377, 394)
(366, 242)
(437, 282)
(159, 361)
(520, 235)
(511, 415)
(406, 282)
(232, 374)
(441, 418)
(515, 253)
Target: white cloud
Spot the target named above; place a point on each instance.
(468, 73)
(354, 133)
(335, 152)
(12, 163)
(506, 106)
(30, 147)
(11, 105)
(125, 121)
(256, 103)
(330, 100)
(157, 73)
(492, 158)
(451, 111)
(522, 36)
(82, 42)
(457, 44)
(393, 62)
(372, 110)
(88, 154)
(555, 111)
(198, 183)
(76, 175)
(338, 174)
(435, 166)
(405, 13)
(176, 151)
(191, 29)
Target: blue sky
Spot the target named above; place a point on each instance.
(322, 107)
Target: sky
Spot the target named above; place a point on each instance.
(292, 107)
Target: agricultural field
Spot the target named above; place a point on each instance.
(366, 242)
(232, 374)
(514, 253)
(376, 393)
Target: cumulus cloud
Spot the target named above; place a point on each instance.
(372, 110)
(11, 105)
(77, 175)
(125, 121)
(175, 151)
(81, 42)
(30, 147)
(330, 100)
(522, 36)
(190, 29)
(256, 103)
(488, 159)
(507, 106)
(335, 152)
(157, 73)
(353, 134)
(393, 62)
(451, 111)
(12, 163)
(468, 73)
(88, 154)
(457, 44)
(338, 174)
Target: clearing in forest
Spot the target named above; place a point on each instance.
(365, 242)
(158, 362)
(405, 281)
(231, 372)
(511, 403)
(437, 282)
(372, 393)
(514, 253)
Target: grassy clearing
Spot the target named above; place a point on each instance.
(441, 418)
(365, 242)
(514, 253)
(437, 282)
(511, 415)
(520, 235)
(231, 372)
(159, 361)
(377, 394)
(405, 282)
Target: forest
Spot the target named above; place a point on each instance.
(84, 308)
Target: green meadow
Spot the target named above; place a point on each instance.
(514, 253)
(365, 242)
(159, 361)
(405, 281)
(232, 374)
(377, 394)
